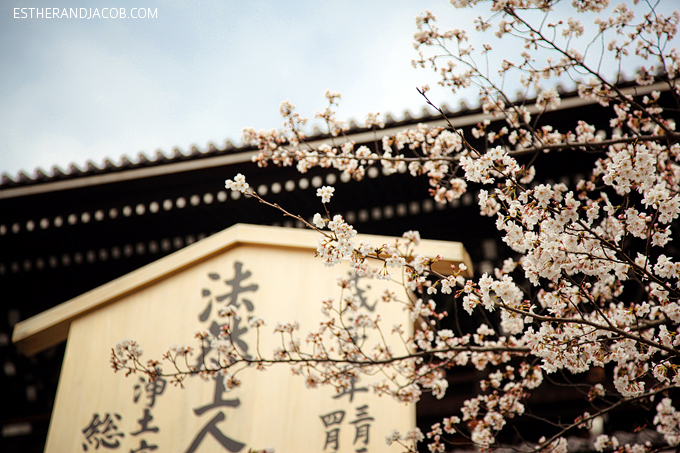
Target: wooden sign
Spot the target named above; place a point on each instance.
(261, 271)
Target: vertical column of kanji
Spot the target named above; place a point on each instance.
(231, 332)
(362, 423)
(152, 389)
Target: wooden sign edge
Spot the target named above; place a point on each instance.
(51, 327)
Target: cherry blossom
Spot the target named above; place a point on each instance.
(239, 183)
(590, 283)
(325, 193)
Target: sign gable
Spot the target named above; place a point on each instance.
(51, 327)
(259, 272)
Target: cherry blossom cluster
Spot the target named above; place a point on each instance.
(591, 284)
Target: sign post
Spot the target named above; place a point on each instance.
(267, 272)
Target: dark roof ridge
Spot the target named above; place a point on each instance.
(194, 154)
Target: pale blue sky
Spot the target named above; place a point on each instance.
(75, 90)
